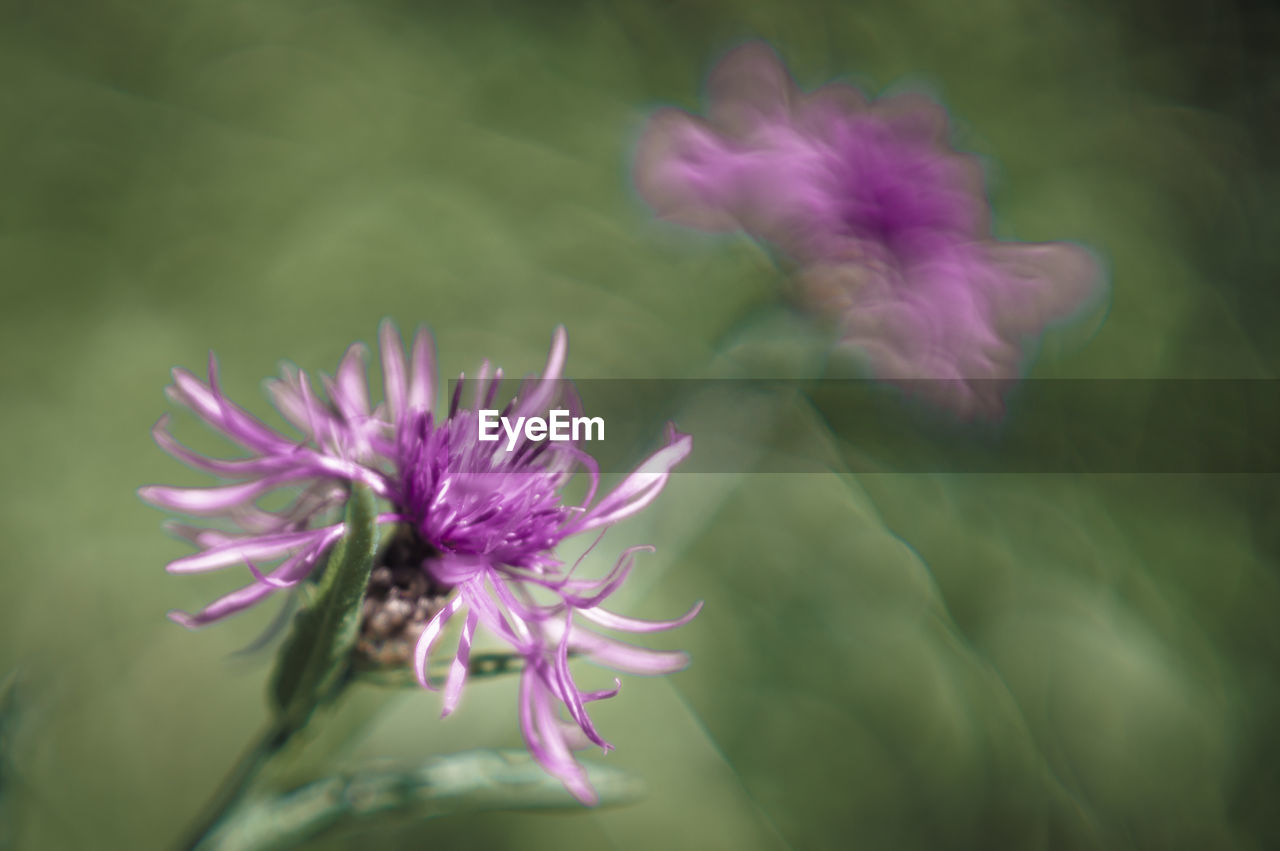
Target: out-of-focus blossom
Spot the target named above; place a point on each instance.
(886, 226)
(476, 525)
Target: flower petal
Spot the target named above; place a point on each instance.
(230, 419)
(623, 657)
(214, 500)
(228, 468)
(619, 622)
(641, 487)
(430, 635)
(422, 377)
(260, 548)
(543, 389)
(350, 382)
(393, 369)
(568, 691)
(544, 735)
(461, 661)
(241, 599)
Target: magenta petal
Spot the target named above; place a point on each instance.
(749, 87)
(393, 369)
(568, 693)
(959, 326)
(614, 621)
(229, 468)
(602, 694)
(430, 635)
(286, 395)
(201, 537)
(243, 598)
(624, 657)
(232, 420)
(225, 606)
(588, 464)
(641, 487)
(267, 579)
(205, 500)
(241, 550)
(604, 587)
(461, 662)
(685, 172)
(545, 387)
(423, 375)
(544, 735)
(526, 612)
(352, 397)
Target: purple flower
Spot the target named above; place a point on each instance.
(887, 226)
(476, 525)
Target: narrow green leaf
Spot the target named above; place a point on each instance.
(314, 657)
(464, 782)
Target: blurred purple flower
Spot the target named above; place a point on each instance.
(888, 227)
(483, 522)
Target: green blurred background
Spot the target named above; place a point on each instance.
(887, 661)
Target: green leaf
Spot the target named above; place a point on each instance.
(464, 782)
(313, 660)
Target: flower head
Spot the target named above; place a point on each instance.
(888, 226)
(477, 525)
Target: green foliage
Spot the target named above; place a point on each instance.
(464, 782)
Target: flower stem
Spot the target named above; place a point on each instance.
(267, 745)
